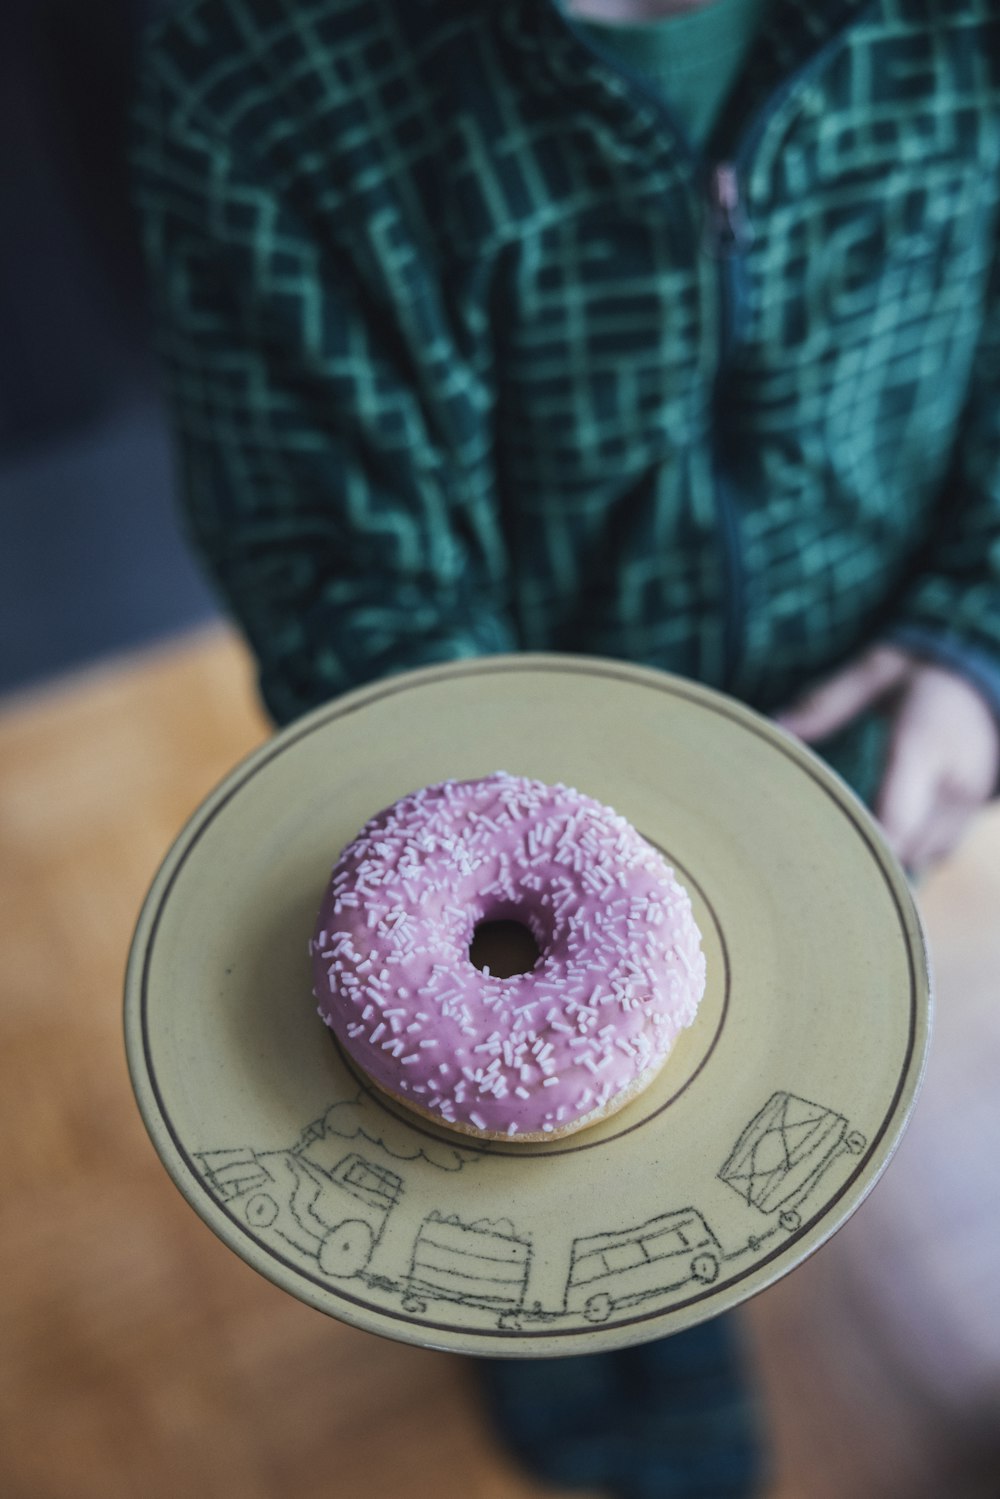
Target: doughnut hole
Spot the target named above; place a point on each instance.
(504, 942)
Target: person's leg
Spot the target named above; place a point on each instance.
(697, 1433)
(672, 1419)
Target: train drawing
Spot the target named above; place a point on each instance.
(336, 1216)
(331, 1195)
(483, 1264)
(615, 1270)
(784, 1150)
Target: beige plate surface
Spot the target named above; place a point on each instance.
(771, 1121)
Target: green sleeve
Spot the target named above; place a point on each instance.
(951, 611)
(331, 420)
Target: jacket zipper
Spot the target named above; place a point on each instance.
(727, 235)
(728, 230)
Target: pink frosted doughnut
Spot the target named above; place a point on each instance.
(620, 969)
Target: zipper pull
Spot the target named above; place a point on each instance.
(728, 231)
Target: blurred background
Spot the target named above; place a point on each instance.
(137, 1354)
(90, 558)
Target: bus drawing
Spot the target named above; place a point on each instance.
(483, 1264)
(336, 1216)
(622, 1269)
(784, 1150)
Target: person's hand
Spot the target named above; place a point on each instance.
(944, 747)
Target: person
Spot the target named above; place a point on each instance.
(666, 330)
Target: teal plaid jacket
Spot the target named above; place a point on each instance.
(470, 351)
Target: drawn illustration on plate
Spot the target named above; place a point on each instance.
(483, 1264)
(331, 1194)
(329, 1202)
(357, 1119)
(784, 1151)
(336, 1217)
(611, 1271)
(775, 1164)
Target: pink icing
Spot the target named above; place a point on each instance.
(620, 970)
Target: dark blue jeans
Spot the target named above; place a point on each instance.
(666, 1420)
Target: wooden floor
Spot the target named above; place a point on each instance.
(139, 1357)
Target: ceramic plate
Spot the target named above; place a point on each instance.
(771, 1121)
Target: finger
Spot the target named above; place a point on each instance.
(942, 834)
(911, 793)
(843, 696)
(945, 740)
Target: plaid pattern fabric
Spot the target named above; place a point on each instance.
(454, 370)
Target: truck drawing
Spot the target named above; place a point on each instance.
(336, 1216)
(621, 1269)
(784, 1150)
(483, 1264)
